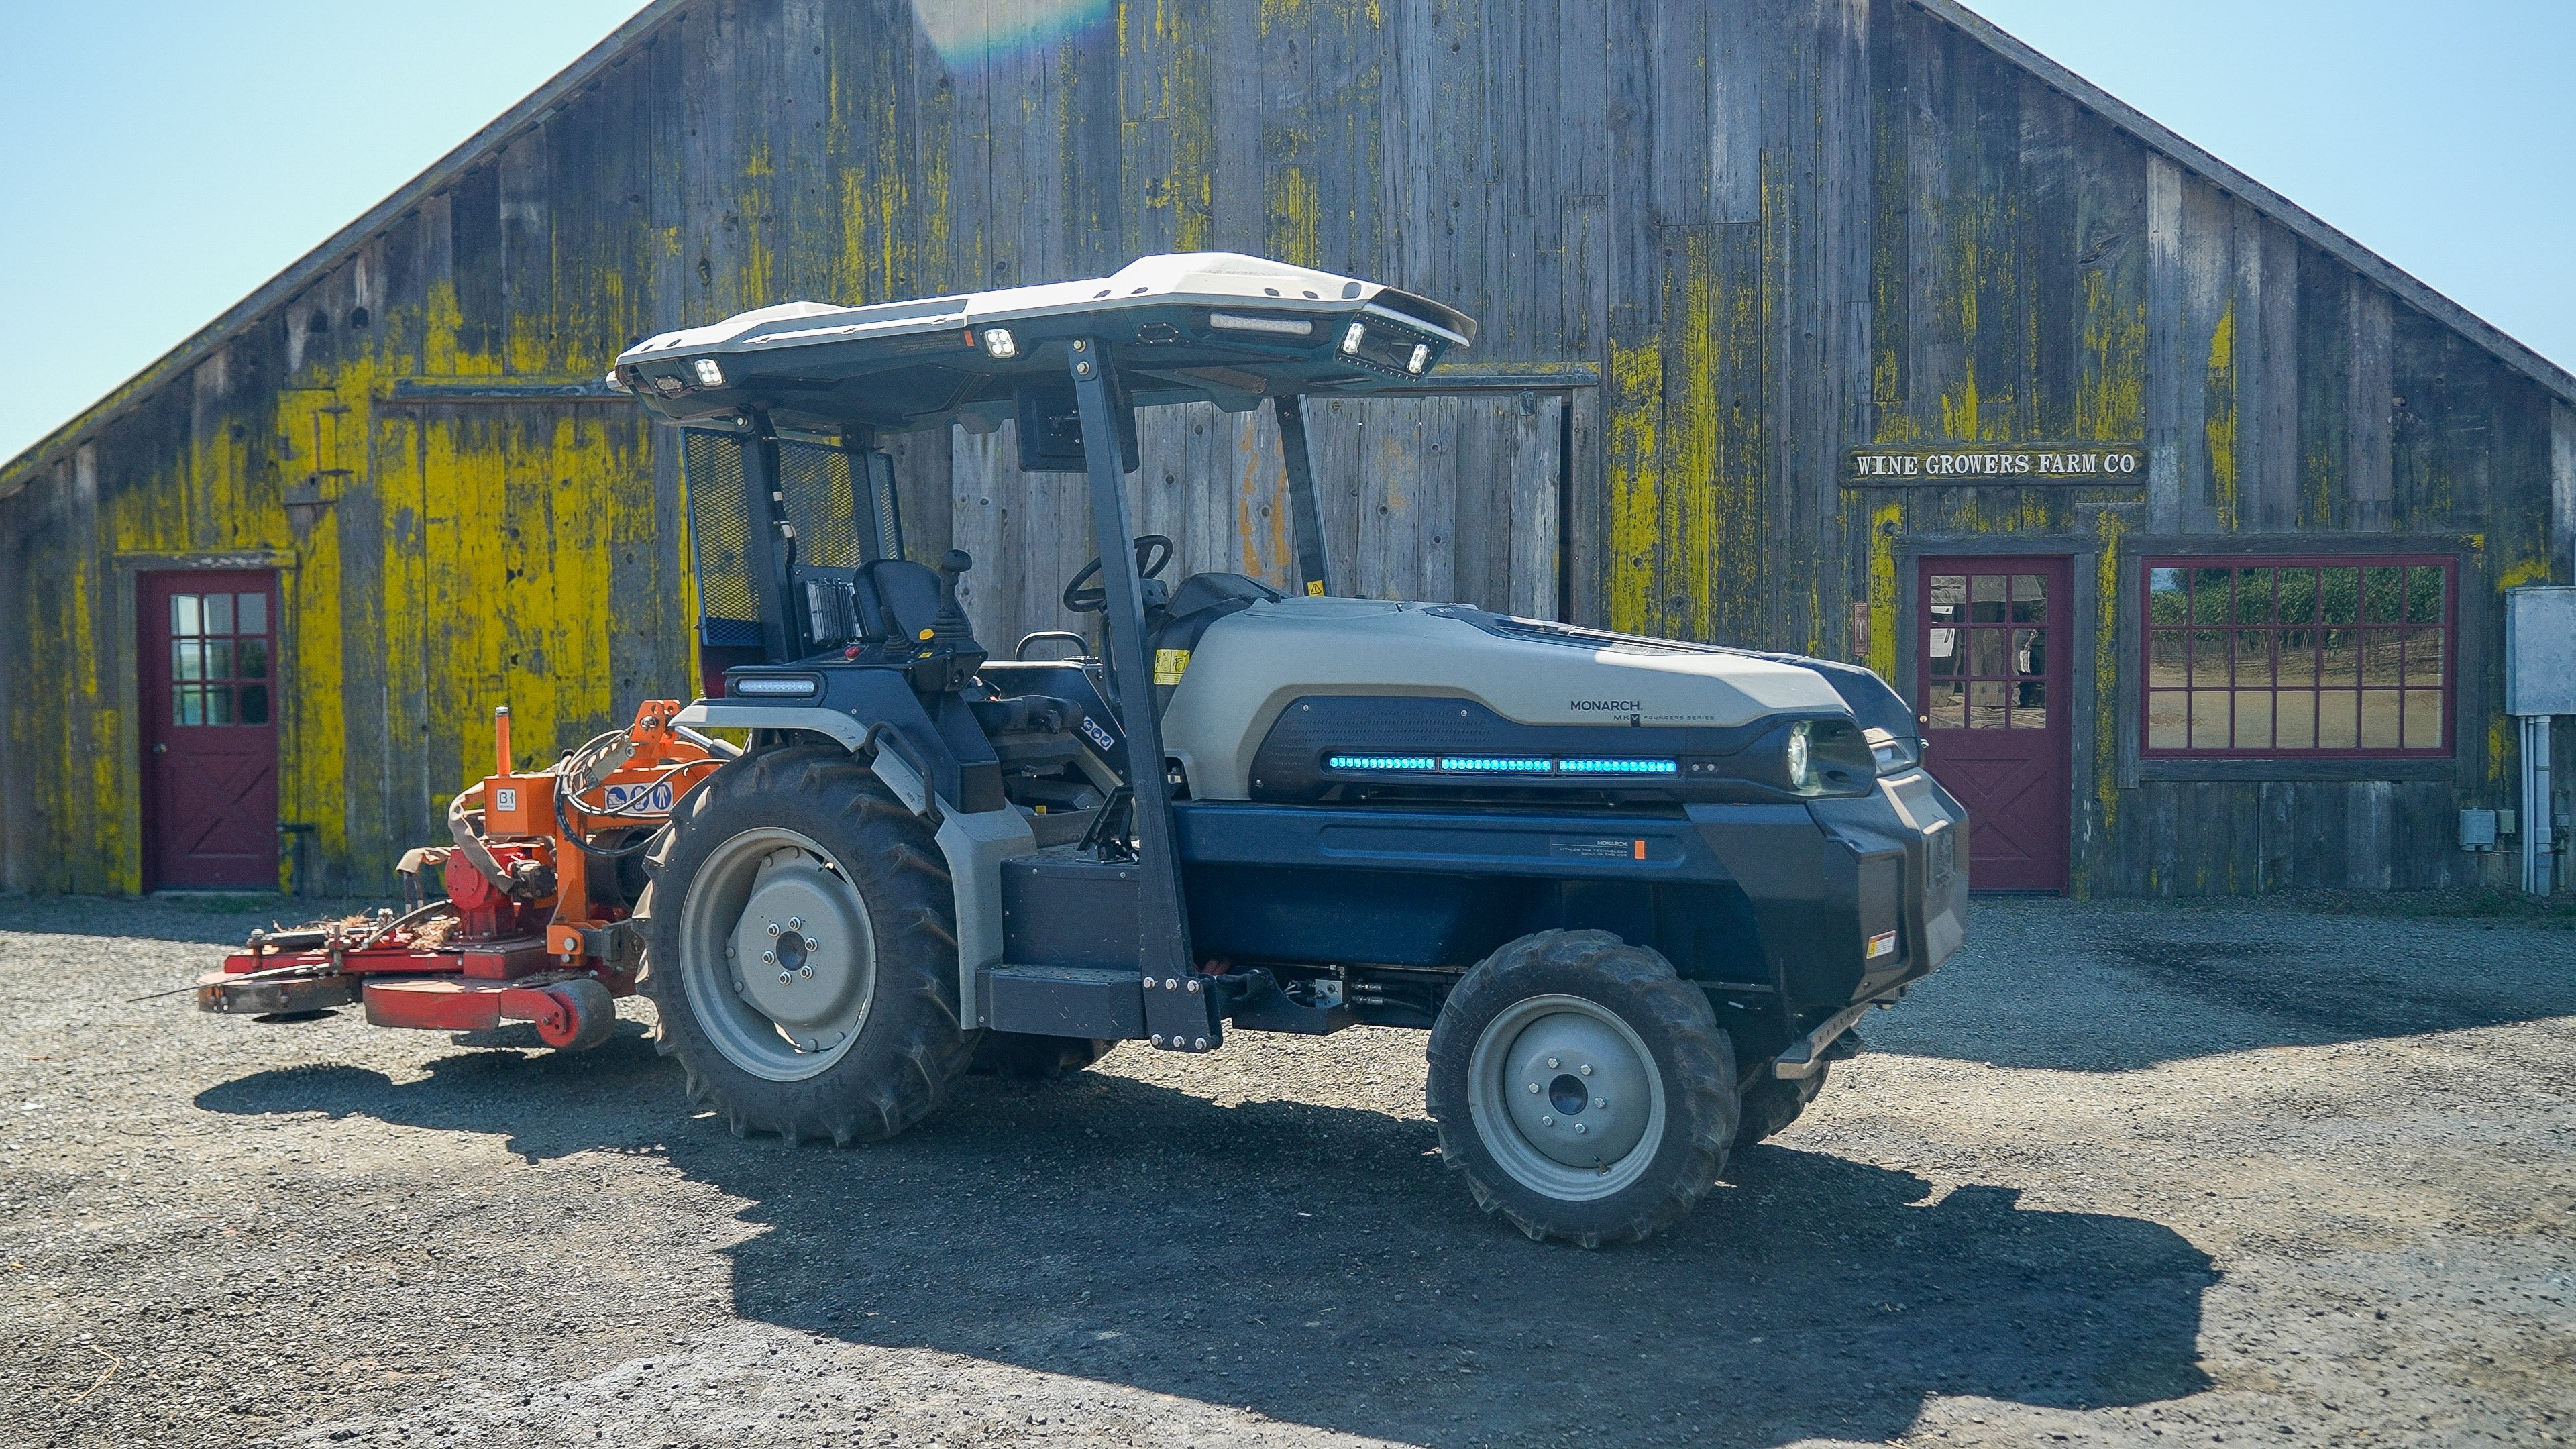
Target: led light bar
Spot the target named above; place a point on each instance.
(1380, 762)
(1279, 326)
(1618, 767)
(710, 372)
(772, 684)
(1495, 764)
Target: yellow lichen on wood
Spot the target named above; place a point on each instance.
(1631, 430)
(2218, 425)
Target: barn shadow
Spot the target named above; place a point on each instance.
(1317, 1264)
(2109, 987)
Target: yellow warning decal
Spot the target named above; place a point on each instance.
(1314, 588)
(1170, 665)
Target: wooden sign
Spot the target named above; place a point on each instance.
(1989, 465)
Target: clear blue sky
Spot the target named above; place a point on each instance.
(162, 159)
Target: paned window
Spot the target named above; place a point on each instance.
(1986, 651)
(2299, 657)
(219, 659)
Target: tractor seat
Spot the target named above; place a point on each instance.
(895, 599)
(1201, 600)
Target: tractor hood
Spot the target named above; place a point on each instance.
(1251, 666)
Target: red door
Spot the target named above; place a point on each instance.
(1992, 686)
(210, 729)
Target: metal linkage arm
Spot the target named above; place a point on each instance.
(1179, 1015)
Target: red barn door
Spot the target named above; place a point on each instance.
(1992, 696)
(209, 663)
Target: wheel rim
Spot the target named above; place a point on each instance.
(778, 955)
(1593, 1122)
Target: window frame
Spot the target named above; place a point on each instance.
(2148, 562)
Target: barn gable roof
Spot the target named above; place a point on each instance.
(629, 37)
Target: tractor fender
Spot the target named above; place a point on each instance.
(974, 843)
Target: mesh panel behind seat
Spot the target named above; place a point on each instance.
(719, 532)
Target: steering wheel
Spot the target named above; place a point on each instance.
(1153, 555)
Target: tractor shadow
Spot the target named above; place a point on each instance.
(1318, 1265)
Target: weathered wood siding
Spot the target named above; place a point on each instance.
(1773, 231)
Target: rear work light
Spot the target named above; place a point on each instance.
(1000, 345)
(1275, 326)
(775, 685)
(710, 372)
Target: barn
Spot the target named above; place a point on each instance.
(1851, 327)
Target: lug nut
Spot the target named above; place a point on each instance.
(784, 977)
(1580, 1129)
(1533, 1089)
(1551, 1063)
(1600, 1101)
(769, 958)
(773, 928)
(1585, 1069)
(805, 971)
(796, 923)
(1547, 1121)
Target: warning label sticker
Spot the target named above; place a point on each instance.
(1597, 847)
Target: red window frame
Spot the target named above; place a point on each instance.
(2321, 686)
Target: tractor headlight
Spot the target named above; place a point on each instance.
(1421, 357)
(1801, 771)
(1000, 345)
(617, 383)
(710, 373)
(1352, 339)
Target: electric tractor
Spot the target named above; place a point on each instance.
(1638, 891)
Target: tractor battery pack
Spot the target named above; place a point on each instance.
(519, 805)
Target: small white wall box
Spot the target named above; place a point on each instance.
(2540, 650)
(2477, 830)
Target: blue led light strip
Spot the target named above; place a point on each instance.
(1495, 764)
(1380, 762)
(1618, 767)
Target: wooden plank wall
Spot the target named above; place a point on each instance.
(1775, 231)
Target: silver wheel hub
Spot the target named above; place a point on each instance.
(778, 954)
(1565, 1097)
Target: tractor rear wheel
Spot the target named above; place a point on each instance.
(801, 950)
(1582, 1088)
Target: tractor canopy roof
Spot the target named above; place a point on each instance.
(1218, 326)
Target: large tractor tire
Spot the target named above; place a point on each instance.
(1582, 1088)
(801, 950)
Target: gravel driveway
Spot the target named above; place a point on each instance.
(2119, 1174)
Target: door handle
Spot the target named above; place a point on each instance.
(161, 749)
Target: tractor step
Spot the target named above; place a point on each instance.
(1078, 1001)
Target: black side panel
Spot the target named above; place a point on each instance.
(1062, 912)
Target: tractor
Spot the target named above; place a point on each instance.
(1638, 891)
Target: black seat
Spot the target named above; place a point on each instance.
(1201, 600)
(896, 599)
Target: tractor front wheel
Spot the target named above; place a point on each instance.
(1582, 1088)
(801, 950)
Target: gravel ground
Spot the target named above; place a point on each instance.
(2119, 1174)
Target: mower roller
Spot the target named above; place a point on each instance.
(530, 917)
(1637, 890)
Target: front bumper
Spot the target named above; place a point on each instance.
(1828, 880)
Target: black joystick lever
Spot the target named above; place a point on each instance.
(951, 622)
